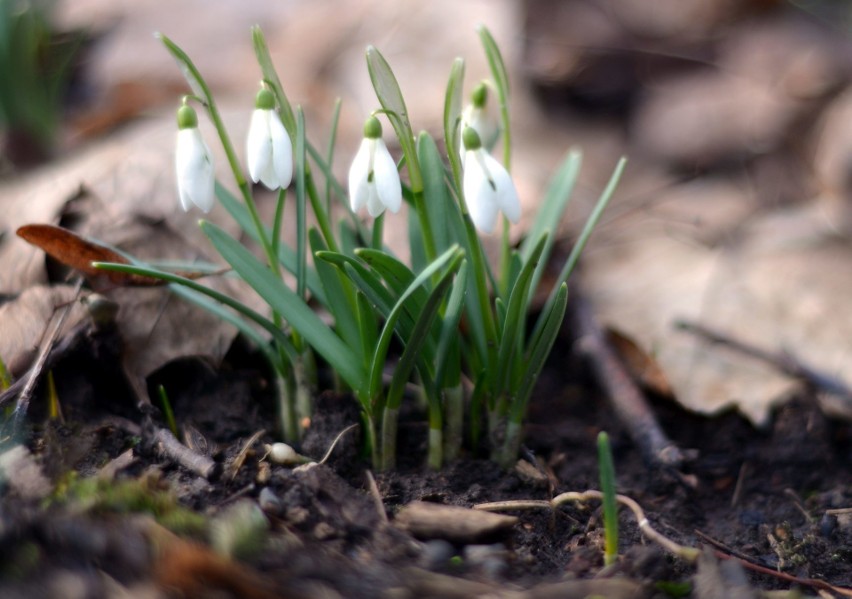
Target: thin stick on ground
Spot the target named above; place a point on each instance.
(23, 402)
(783, 361)
(689, 554)
(722, 551)
(194, 462)
(626, 398)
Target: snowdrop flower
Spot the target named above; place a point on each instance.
(373, 178)
(479, 115)
(269, 149)
(488, 188)
(193, 163)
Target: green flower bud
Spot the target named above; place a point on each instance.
(480, 95)
(372, 128)
(264, 100)
(186, 117)
(471, 139)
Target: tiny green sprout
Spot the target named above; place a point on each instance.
(5, 376)
(610, 504)
(167, 410)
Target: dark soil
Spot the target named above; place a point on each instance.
(148, 527)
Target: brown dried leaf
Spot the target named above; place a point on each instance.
(641, 365)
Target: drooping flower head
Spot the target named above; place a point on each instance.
(193, 164)
(268, 149)
(373, 178)
(487, 186)
(480, 116)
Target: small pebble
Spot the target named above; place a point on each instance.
(436, 554)
(490, 559)
(270, 503)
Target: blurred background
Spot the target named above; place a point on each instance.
(736, 116)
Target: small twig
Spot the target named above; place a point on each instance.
(240, 458)
(839, 511)
(689, 554)
(738, 488)
(334, 443)
(783, 361)
(798, 503)
(194, 462)
(629, 403)
(23, 402)
(377, 497)
(725, 552)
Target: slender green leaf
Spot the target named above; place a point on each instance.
(338, 290)
(606, 468)
(270, 75)
(436, 197)
(286, 254)
(279, 336)
(411, 352)
(444, 373)
(452, 259)
(215, 308)
(538, 351)
(301, 226)
(452, 120)
(515, 319)
(551, 211)
(368, 326)
(588, 229)
(289, 305)
(390, 97)
(501, 79)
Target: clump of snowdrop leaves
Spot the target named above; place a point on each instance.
(488, 188)
(373, 178)
(458, 328)
(194, 167)
(269, 149)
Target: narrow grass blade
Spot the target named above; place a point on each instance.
(610, 504)
(338, 290)
(289, 305)
(452, 119)
(390, 97)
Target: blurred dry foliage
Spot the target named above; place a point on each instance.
(735, 210)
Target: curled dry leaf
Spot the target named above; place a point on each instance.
(80, 253)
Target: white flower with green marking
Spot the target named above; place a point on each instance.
(488, 188)
(373, 178)
(480, 116)
(269, 149)
(193, 164)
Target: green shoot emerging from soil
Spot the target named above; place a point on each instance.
(610, 504)
(451, 325)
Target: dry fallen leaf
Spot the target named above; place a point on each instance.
(772, 280)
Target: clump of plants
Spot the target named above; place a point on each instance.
(447, 322)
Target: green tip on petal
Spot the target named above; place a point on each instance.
(479, 95)
(471, 139)
(372, 128)
(186, 117)
(264, 100)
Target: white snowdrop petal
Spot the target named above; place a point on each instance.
(375, 206)
(282, 150)
(194, 170)
(386, 180)
(358, 173)
(478, 194)
(506, 195)
(258, 145)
